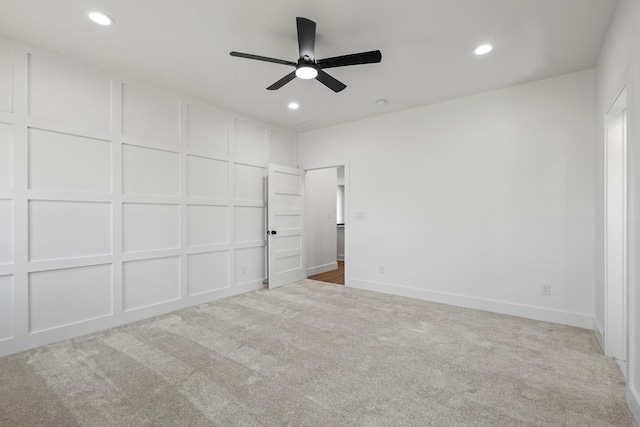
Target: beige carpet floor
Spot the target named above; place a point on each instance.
(316, 354)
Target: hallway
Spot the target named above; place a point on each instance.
(334, 276)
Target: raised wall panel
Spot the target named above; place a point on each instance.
(207, 178)
(6, 79)
(249, 224)
(157, 203)
(282, 149)
(6, 307)
(249, 264)
(63, 162)
(59, 230)
(148, 226)
(6, 157)
(207, 132)
(69, 92)
(6, 231)
(207, 225)
(148, 171)
(207, 272)
(250, 143)
(149, 115)
(249, 183)
(68, 296)
(150, 281)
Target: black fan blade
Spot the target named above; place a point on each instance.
(306, 37)
(330, 82)
(262, 58)
(283, 81)
(353, 59)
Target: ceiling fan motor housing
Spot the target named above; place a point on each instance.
(307, 67)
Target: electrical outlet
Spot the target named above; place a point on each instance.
(545, 290)
(381, 269)
(243, 269)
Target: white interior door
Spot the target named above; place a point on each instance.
(286, 225)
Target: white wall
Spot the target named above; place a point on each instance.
(618, 66)
(340, 204)
(477, 201)
(119, 201)
(340, 196)
(321, 187)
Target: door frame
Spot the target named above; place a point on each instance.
(616, 306)
(347, 209)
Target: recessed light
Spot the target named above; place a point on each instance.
(100, 18)
(482, 49)
(381, 102)
(293, 106)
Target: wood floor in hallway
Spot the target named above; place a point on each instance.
(334, 276)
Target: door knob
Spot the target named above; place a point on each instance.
(274, 232)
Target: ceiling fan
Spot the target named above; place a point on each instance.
(307, 66)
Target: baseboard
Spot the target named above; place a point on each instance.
(622, 364)
(34, 340)
(322, 268)
(340, 257)
(633, 401)
(598, 333)
(579, 320)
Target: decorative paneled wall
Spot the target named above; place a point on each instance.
(120, 201)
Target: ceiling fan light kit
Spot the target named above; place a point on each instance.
(307, 66)
(306, 72)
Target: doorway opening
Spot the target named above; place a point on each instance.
(616, 313)
(327, 229)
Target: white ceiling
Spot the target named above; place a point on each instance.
(427, 48)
